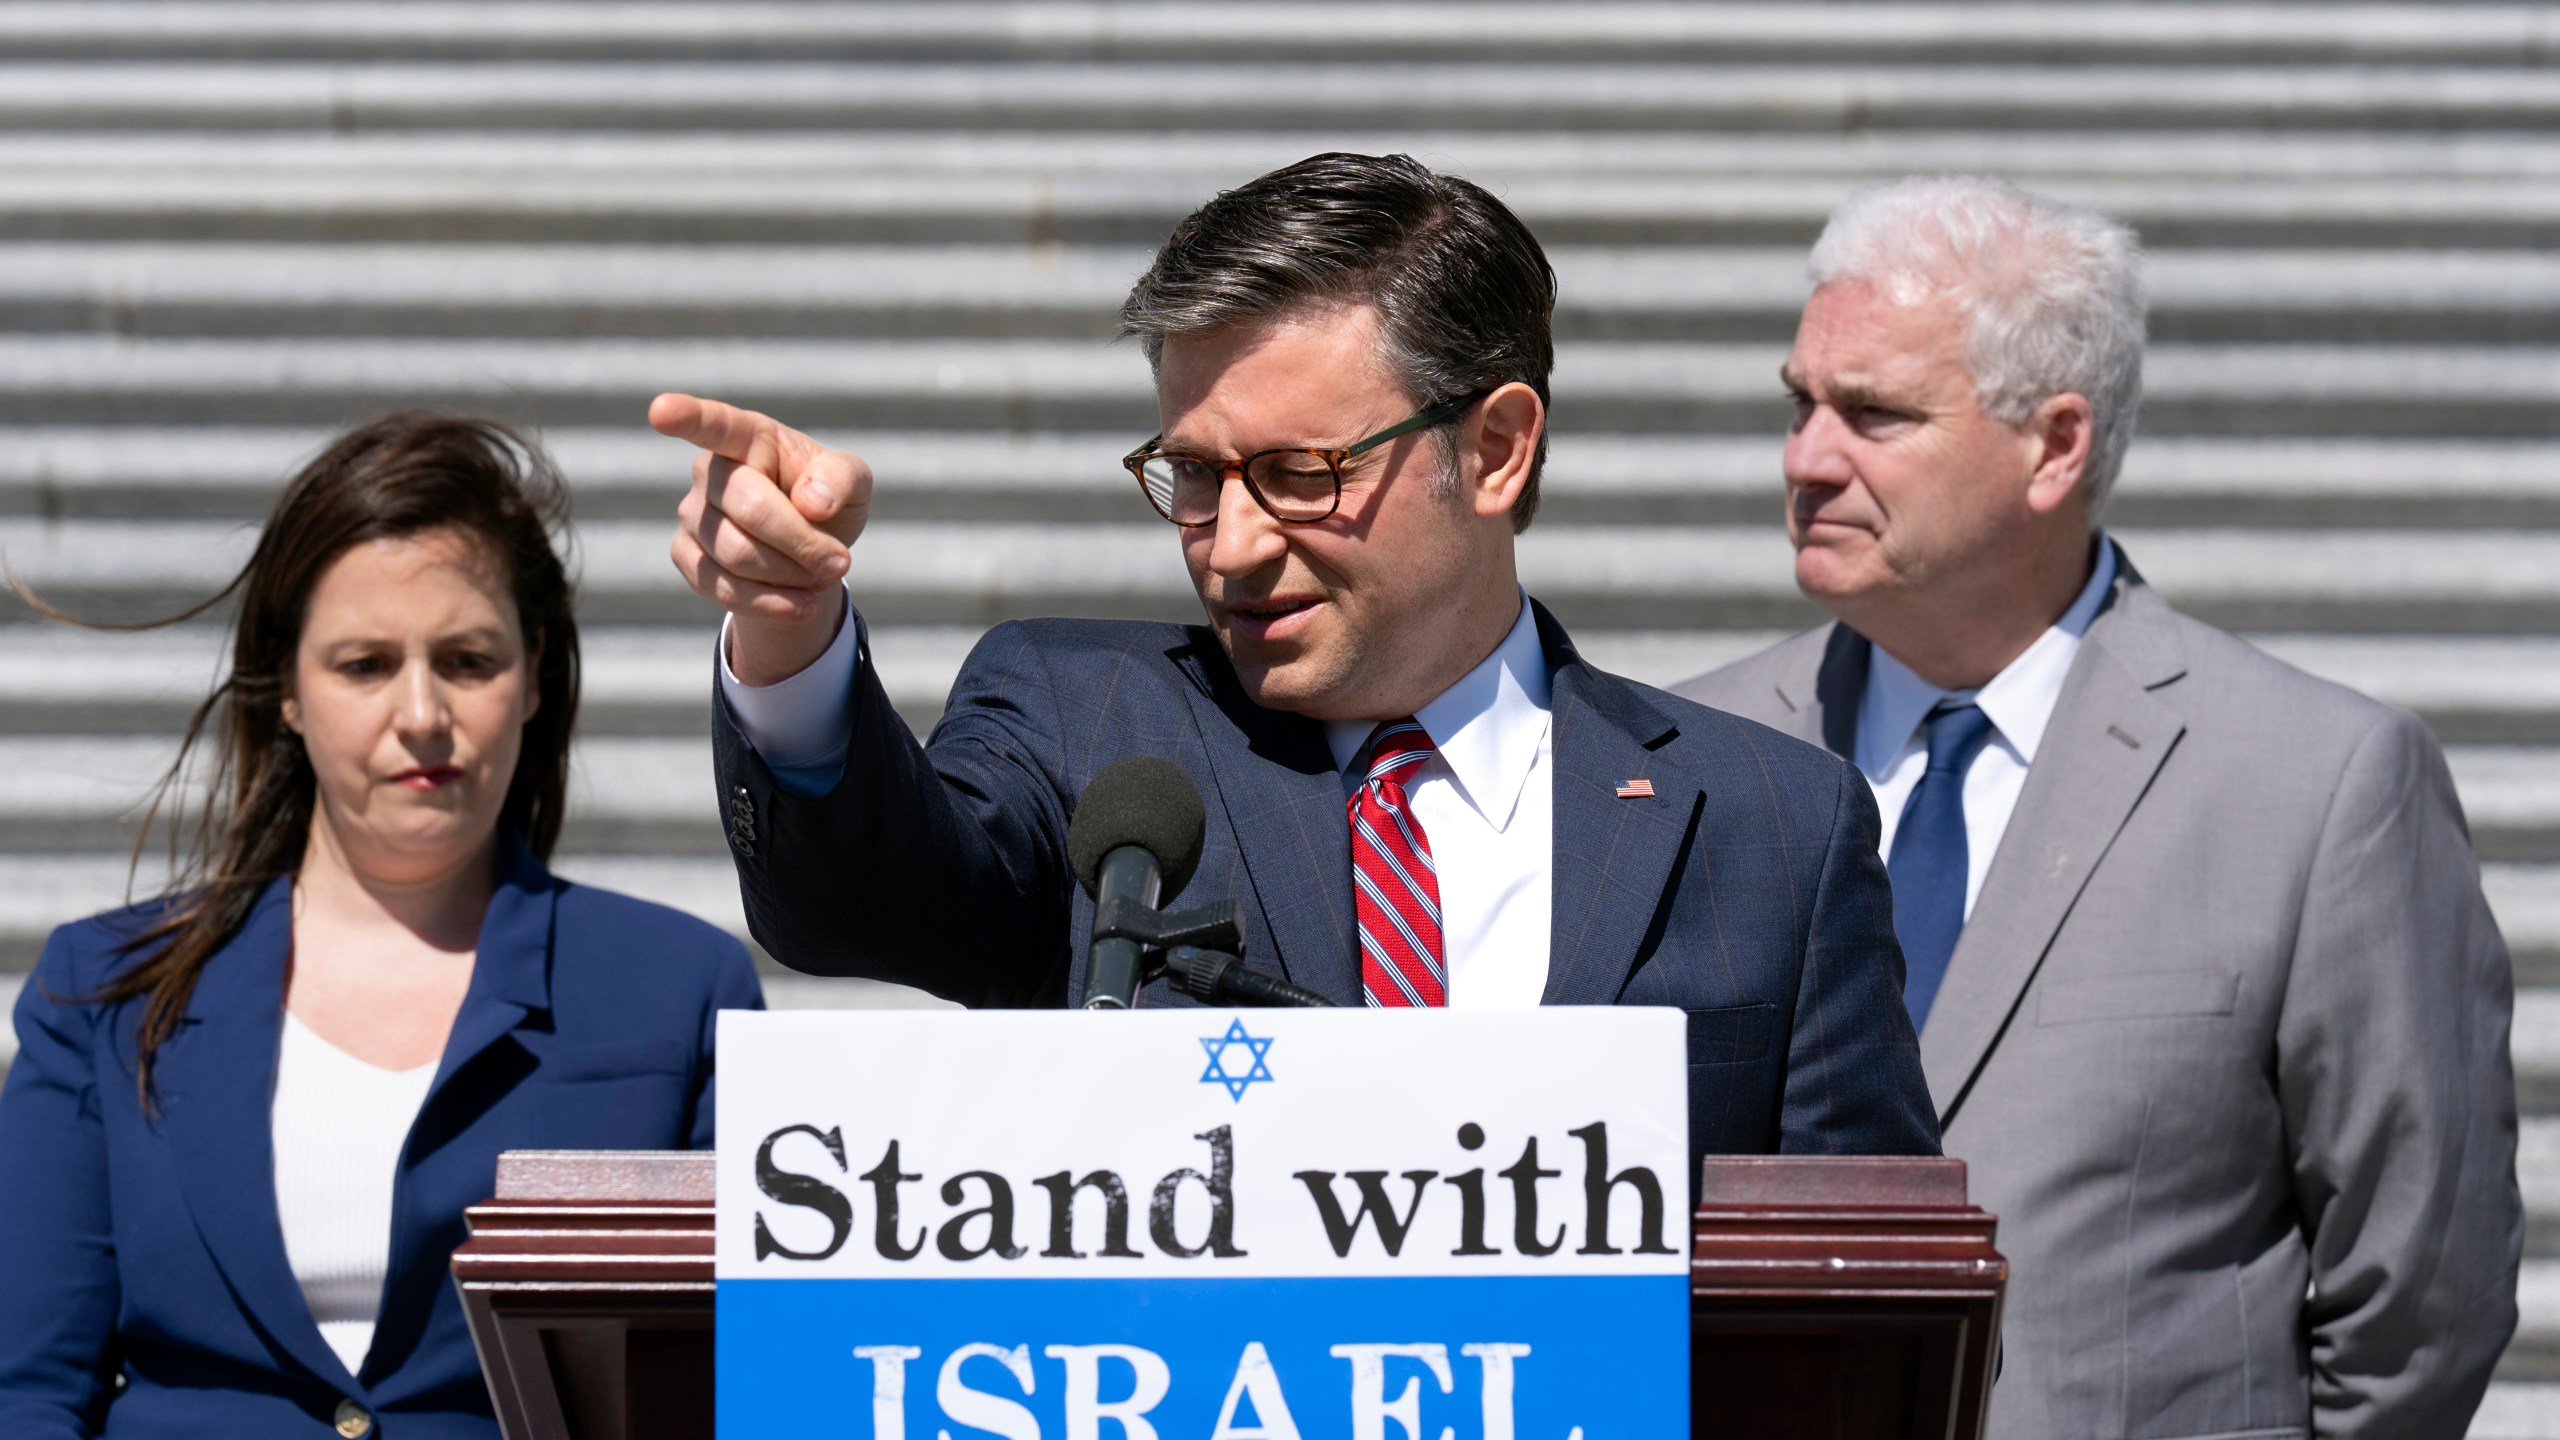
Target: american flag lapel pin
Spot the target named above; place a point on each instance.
(1636, 789)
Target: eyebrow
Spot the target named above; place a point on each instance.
(1843, 395)
(489, 634)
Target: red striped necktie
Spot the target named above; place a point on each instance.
(1395, 887)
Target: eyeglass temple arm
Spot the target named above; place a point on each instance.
(1446, 409)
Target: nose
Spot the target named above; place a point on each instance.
(1245, 537)
(1816, 455)
(421, 712)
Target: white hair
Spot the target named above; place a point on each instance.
(2052, 292)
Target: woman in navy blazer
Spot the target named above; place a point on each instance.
(146, 1285)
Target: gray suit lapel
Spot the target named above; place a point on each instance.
(2108, 738)
(1613, 854)
(1281, 792)
(1817, 678)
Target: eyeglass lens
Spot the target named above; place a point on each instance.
(1291, 484)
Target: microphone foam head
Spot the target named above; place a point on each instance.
(1140, 801)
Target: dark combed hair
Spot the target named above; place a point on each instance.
(1464, 294)
(403, 475)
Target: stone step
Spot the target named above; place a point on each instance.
(2537, 1049)
(901, 292)
(1596, 577)
(646, 794)
(1486, 97)
(2538, 1175)
(2534, 1354)
(40, 891)
(2323, 391)
(2493, 35)
(1210, 159)
(654, 680)
(135, 472)
(755, 191)
(2518, 1410)
(2526, 899)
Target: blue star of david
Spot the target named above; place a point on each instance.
(1228, 1055)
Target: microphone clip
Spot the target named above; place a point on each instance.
(1217, 926)
(1201, 949)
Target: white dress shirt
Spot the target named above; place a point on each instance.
(1893, 741)
(1486, 798)
(340, 1125)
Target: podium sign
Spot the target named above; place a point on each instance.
(1273, 1225)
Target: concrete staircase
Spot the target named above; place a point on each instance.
(227, 228)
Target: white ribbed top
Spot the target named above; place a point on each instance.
(339, 1128)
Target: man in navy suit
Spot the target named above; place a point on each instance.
(1418, 792)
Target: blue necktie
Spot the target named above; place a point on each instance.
(1930, 863)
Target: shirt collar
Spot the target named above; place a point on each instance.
(2019, 700)
(1488, 727)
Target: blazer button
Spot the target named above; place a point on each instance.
(354, 1421)
(746, 845)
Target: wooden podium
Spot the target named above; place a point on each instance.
(1831, 1299)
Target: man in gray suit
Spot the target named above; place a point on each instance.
(2210, 999)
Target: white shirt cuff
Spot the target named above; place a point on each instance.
(803, 720)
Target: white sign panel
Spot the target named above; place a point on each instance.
(1423, 1225)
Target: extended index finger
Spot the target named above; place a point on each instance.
(721, 428)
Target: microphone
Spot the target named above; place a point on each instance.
(1136, 839)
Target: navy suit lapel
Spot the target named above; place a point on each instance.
(215, 1082)
(1283, 796)
(510, 986)
(1613, 855)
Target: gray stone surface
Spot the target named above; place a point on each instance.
(228, 227)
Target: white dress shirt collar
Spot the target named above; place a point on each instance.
(2019, 700)
(1488, 726)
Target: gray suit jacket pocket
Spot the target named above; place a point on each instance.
(1732, 1035)
(2162, 995)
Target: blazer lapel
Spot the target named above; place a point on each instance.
(1283, 796)
(510, 971)
(215, 1082)
(510, 985)
(1613, 854)
(2109, 736)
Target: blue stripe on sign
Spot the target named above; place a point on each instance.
(1608, 1354)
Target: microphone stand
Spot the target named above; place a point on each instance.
(1202, 950)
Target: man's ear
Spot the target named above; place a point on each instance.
(1508, 424)
(2058, 436)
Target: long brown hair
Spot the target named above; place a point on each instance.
(404, 474)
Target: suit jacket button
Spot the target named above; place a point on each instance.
(354, 1421)
(746, 845)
